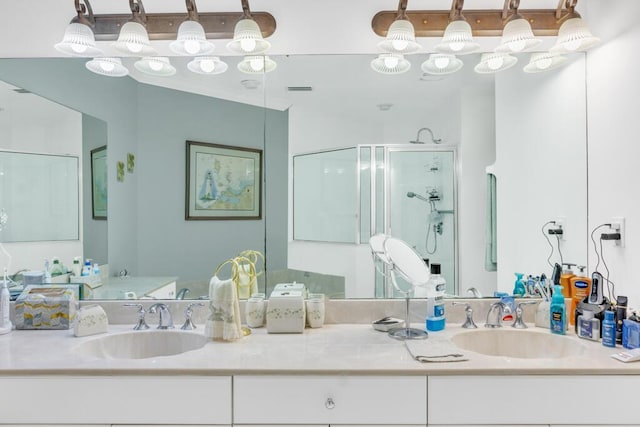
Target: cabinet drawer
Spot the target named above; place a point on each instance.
(499, 399)
(116, 400)
(329, 400)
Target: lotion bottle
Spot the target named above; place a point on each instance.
(609, 329)
(580, 287)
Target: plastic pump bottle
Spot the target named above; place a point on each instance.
(76, 268)
(518, 287)
(86, 270)
(435, 304)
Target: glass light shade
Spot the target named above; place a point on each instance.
(457, 39)
(544, 61)
(191, 40)
(517, 36)
(209, 65)
(110, 67)
(390, 63)
(247, 38)
(78, 40)
(134, 40)
(401, 38)
(440, 63)
(155, 66)
(257, 65)
(574, 36)
(494, 62)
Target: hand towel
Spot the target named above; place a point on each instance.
(434, 350)
(224, 321)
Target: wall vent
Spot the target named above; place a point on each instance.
(299, 88)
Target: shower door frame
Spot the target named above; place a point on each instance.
(388, 149)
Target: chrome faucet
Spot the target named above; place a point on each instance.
(501, 309)
(166, 321)
(469, 323)
(188, 313)
(182, 293)
(141, 324)
(518, 323)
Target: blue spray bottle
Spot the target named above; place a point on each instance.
(518, 287)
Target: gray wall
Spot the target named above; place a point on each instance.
(147, 231)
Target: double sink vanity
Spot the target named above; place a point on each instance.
(341, 374)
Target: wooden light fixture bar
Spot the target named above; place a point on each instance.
(487, 23)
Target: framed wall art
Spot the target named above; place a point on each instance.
(223, 182)
(99, 182)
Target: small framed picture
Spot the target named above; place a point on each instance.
(99, 182)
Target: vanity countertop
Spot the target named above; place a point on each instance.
(336, 349)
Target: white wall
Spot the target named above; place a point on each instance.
(540, 147)
(30, 123)
(613, 91)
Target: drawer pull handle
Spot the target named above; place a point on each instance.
(330, 404)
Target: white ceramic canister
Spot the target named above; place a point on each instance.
(255, 311)
(315, 310)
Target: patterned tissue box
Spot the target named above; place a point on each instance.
(46, 307)
(285, 312)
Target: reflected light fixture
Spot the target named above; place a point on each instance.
(494, 62)
(133, 37)
(574, 34)
(517, 35)
(390, 63)
(247, 37)
(401, 37)
(544, 61)
(457, 39)
(256, 64)
(78, 39)
(209, 65)
(191, 39)
(110, 67)
(441, 63)
(155, 66)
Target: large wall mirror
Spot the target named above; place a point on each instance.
(530, 128)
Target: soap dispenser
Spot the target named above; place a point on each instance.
(518, 287)
(558, 311)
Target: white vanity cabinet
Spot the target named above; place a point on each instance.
(528, 399)
(334, 400)
(64, 400)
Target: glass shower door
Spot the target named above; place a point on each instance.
(421, 204)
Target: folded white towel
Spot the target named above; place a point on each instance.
(434, 350)
(224, 321)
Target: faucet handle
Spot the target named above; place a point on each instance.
(518, 323)
(188, 313)
(141, 324)
(469, 323)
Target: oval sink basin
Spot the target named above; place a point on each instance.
(518, 343)
(142, 344)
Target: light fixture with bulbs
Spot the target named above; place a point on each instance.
(247, 36)
(133, 38)
(441, 63)
(156, 66)
(110, 67)
(544, 61)
(517, 35)
(256, 64)
(390, 63)
(458, 37)
(400, 37)
(79, 39)
(209, 65)
(191, 39)
(494, 62)
(573, 35)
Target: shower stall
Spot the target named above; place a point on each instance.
(407, 191)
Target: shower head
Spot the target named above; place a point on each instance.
(411, 195)
(433, 140)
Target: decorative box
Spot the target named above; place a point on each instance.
(297, 287)
(286, 312)
(46, 307)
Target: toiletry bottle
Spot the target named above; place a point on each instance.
(518, 287)
(558, 313)
(588, 326)
(580, 286)
(56, 269)
(96, 269)
(621, 314)
(76, 268)
(609, 329)
(436, 287)
(86, 270)
(565, 279)
(5, 297)
(47, 271)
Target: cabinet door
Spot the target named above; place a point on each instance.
(329, 400)
(461, 400)
(116, 400)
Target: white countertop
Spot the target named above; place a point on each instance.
(353, 349)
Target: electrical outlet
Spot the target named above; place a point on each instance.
(560, 223)
(617, 225)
